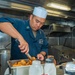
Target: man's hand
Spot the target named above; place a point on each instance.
(40, 57)
(52, 57)
(24, 47)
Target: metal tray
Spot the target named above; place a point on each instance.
(11, 62)
(19, 70)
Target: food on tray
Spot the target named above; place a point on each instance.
(23, 62)
(33, 58)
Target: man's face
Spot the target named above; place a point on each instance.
(36, 22)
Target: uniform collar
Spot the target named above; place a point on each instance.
(27, 24)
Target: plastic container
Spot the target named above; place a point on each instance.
(36, 68)
(70, 68)
(49, 67)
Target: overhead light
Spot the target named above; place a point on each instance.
(50, 14)
(59, 6)
(57, 15)
(54, 12)
(21, 6)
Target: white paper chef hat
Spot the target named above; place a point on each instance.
(40, 12)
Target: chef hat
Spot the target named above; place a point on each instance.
(40, 12)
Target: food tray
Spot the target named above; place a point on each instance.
(19, 70)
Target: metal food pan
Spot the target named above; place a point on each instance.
(19, 70)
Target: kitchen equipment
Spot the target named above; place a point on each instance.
(5, 56)
(5, 47)
(59, 30)
(28, 55)
(19, 70)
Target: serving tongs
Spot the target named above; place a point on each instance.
(28, 55)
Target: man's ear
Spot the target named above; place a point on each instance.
(31, 17)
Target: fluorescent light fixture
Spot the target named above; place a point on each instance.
(54, 15)
(64, 16)
(21, 6)
(59, 6)
(54, 12)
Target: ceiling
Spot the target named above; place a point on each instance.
(63, 13)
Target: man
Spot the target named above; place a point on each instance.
(28, 33)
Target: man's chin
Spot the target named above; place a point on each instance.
(35, 29)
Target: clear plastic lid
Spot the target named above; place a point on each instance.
(50, 60)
